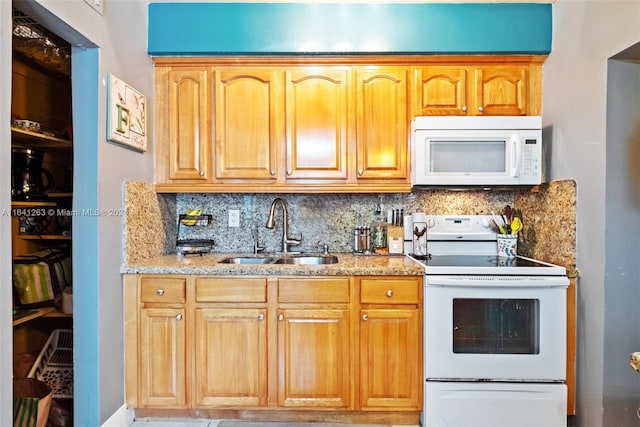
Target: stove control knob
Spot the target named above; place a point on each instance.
(431, 223)
(484, 222)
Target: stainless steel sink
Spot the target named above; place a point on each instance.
(307, 260)
(247, 260)
(285, 259)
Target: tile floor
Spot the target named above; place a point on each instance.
(223, 423)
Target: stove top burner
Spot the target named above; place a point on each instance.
(480, 261)
(484, 264)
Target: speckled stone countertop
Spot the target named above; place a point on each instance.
(347, 265)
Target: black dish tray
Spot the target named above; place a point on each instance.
(194, 246)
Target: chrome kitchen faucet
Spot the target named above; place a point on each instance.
(287, 242)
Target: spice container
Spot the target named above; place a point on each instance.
(361, 239)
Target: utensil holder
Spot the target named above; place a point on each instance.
(507, 245)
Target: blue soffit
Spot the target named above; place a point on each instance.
(206, 29)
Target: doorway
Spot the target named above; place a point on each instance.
(41, 195)
(85, 72)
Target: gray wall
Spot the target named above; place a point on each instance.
(622, 264)
(6, 355)
(593, 145)
(116, 43)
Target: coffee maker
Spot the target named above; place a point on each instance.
(29, 180)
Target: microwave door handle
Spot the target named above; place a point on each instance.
(516, 156)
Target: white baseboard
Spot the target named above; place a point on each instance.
(123, 417)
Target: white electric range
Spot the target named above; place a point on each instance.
(495, 331)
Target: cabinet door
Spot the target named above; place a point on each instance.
(501, 90)
(317, 122)
(189, 116)
(247, 107)
(314, 358)
(440, 91)
(382, 123)
(230, 357)
(390, 359)
(162, 358)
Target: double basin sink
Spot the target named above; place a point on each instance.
(293, 259)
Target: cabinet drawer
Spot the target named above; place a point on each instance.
(326, 290)
(231, 289)
(390, 291)
(163, 289)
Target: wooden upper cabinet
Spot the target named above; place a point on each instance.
(188, 124)
(440, 90)
(501, 90)
(382, 123)
(317, 122)
(247, 106)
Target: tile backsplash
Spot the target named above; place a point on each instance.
(151, 224)
(316, 218)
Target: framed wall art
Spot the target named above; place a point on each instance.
(126, 115)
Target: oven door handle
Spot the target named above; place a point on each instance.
(498, 281)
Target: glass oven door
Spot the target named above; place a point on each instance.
(496, 332)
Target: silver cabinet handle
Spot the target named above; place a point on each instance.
(280, 316)
(288, 173)
(389, 293)
(160, 292)
(464, 108)
(201, 173)
(365, 317)
(260, 316)
(481, 108)
(272, 172)
(178, 316)
(360, 172)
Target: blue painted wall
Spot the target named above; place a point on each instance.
(177, 29)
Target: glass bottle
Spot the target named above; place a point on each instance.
(379, 230)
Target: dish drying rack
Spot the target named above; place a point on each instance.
(193, 246)
(54, 365)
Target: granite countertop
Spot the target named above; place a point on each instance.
(348, 265)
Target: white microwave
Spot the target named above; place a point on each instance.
(480, 151)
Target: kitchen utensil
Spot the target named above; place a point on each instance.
(516, 225)
(507, 214)
(500, 228)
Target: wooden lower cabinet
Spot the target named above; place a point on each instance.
(202, 344)
(390, 343)
(160, 341)
(313, 358)
(230, 355)
(162, 357)
(389, 362)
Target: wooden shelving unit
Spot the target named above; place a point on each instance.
(26, 315)
(22, 137)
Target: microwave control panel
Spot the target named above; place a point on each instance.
(531, 158)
